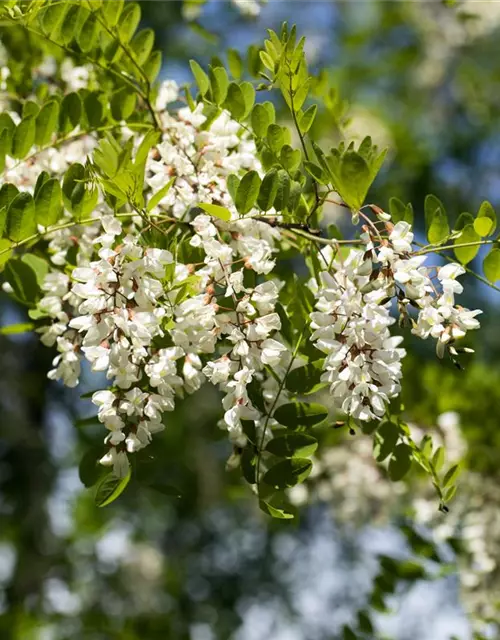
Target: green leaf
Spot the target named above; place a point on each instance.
(159, 195)
(7, 194)
(300, 414)
(248, 96)
(235, 63)
(23, 138)
(274, 512)
(5, 254)
(110, 488)
(275, 137)
(267, 61)
(200, 76)
(463, 220)
(247, 193)
(438, 459)
(450, 494)
(348, 634)
(431, 206)
(94, 110)
(87, 35)
(48, 203)
(293, 445)
(39, 266)
(268, 190)
(77, 198)
(235, 101)
(451, 475)
(290, 158)
(466, 254)
(233, 182)
(70, 23)
(52, 17)
(307, 118)
(111, 11)
(152, 66)
(123, 104)
(70, 112)
(288, 473)
(14, 329)
(355, 179)
(386, 438)
(491, 265)
(46, 122)
(21, 222)
(89, 469)
(486, 220)
(219, 83)
(260, 120)
(305, 379)
(400, 462)
(283, 190)
(438, 228)
(129, 21)
(400, 211)
(142, 45)
(22, 279)
(316, 172)
(216, 210)
(30, 108)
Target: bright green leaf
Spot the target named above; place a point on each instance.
(247, 193)
(216, 210)
(466, 254)
(21, 222)
(200, 76)
(110, 488)
(491, 265)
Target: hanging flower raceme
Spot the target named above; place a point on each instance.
(351, 324)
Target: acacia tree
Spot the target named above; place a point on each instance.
(172, 238)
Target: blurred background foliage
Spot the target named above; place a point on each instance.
(422, 79)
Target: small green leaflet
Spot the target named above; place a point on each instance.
(12, 329)
(159, 195)
(110, 488)
(274, 512)
(216, 210)
(491, 265)
(200, 76)
(486, 220)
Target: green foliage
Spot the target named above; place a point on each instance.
(216, 210)
(287, 473)
(300, 414)
(468, 235)
(491, 265)
(109, 488)
(486, 220)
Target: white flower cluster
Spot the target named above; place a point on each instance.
(351, 324)
(159, 325)
(156, 326)
(363, 360)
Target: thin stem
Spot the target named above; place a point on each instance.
(430, 249)
(273, 406)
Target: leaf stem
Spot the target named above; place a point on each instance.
(273, 406)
